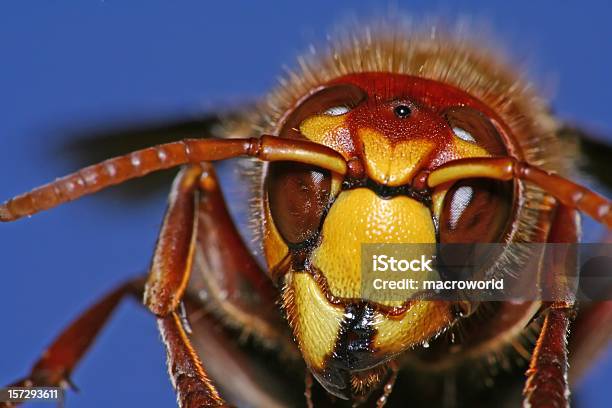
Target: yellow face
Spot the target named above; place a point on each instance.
(315, 226)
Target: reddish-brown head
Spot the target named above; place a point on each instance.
(390, 128)
(396, 125)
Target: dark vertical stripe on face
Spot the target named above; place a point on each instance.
(353, 350)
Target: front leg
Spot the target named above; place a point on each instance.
(547, 384)
(173, 258)
(193, 387)
(167, 281)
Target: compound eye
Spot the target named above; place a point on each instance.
(473, 126)
(298, 195)
(330, 100)
(477, 210)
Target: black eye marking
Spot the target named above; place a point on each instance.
(402, 111)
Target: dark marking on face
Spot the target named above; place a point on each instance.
(353, 351)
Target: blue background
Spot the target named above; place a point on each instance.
(103, 62)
